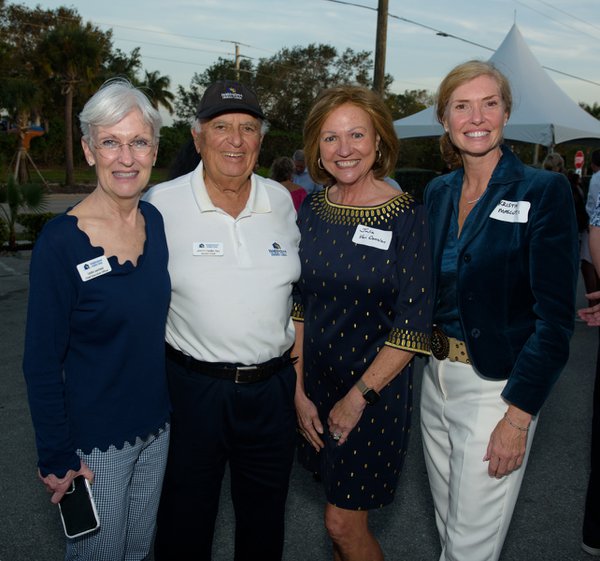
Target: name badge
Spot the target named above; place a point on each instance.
(372, 237)
(208, 249)
(93, 268)
(512, 211)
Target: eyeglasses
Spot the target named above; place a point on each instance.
(110, 147)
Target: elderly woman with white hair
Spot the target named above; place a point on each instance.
(94, 349)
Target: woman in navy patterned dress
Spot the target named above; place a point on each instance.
(362, 312)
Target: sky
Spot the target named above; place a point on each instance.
(181, 37)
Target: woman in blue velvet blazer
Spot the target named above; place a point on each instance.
(504, 242)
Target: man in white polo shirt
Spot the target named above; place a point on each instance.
(233, 257)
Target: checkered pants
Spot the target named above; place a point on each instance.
(126, 490)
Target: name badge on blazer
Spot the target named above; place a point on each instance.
(512, 211)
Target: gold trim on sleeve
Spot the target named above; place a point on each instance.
(409, 341)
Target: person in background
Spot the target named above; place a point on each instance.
(362, 312)
(590, 275)
(233, 258)
(591, 519)
(579, 202)
(503, 316)
(282, 170)
(301, 176)
(94, 356)
(391, 181)
(186, 160)
(554, 162)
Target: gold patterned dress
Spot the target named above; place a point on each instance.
(365, 283)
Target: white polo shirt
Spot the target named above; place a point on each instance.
(231, 277)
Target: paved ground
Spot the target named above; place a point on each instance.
(546, 525)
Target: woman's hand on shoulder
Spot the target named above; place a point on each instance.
(309, 424)
(58, 486)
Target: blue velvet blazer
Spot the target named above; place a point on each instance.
(516, 275)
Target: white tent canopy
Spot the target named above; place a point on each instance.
(541, 114)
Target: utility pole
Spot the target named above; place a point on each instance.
(237, 62)
(238, 56)
(380, 45)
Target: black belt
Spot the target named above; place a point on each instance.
(238, 373)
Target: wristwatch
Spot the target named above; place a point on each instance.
(370, 395)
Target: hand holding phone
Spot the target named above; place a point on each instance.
(78, 510)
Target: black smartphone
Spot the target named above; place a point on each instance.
(78, 510)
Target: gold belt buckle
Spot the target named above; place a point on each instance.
(440, 346)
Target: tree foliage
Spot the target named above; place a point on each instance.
(286, 84)
(593, 110)
(52, 61)
(70, 55)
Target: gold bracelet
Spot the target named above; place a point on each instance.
(513, 425)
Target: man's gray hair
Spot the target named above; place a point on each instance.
(264, 125)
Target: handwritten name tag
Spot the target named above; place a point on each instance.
(512, 211)
(93, 268)
(372, 237)
(208, 249)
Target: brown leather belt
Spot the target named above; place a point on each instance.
(238, 373)
(443, 347)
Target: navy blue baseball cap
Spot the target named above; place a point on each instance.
(226, 96)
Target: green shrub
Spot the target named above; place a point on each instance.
(3, 233)
(33, 223)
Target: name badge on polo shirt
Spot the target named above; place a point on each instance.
(208, 249)
(512, 211)
(93, 268)
(372, 237)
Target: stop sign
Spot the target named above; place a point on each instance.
(579, 159)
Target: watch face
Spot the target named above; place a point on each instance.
(371, 397)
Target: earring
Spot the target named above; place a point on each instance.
(378, 152)
(320, 164)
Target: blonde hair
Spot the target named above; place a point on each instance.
(367, 100)
(458, 76)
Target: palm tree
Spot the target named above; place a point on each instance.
(72, 55)
(157, 90)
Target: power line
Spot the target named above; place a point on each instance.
(452, 36)
(572, 16)
(544, 14)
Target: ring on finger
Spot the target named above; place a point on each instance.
(336, 435)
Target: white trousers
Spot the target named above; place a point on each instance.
(459, 411)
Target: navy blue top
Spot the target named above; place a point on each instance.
(94, 351)
(516, 265)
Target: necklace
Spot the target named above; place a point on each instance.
(473, 201)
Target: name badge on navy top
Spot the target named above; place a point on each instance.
(93, 268)
(512, 211)
(208, 249)
(372, 237)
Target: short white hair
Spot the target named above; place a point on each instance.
(115, 99)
